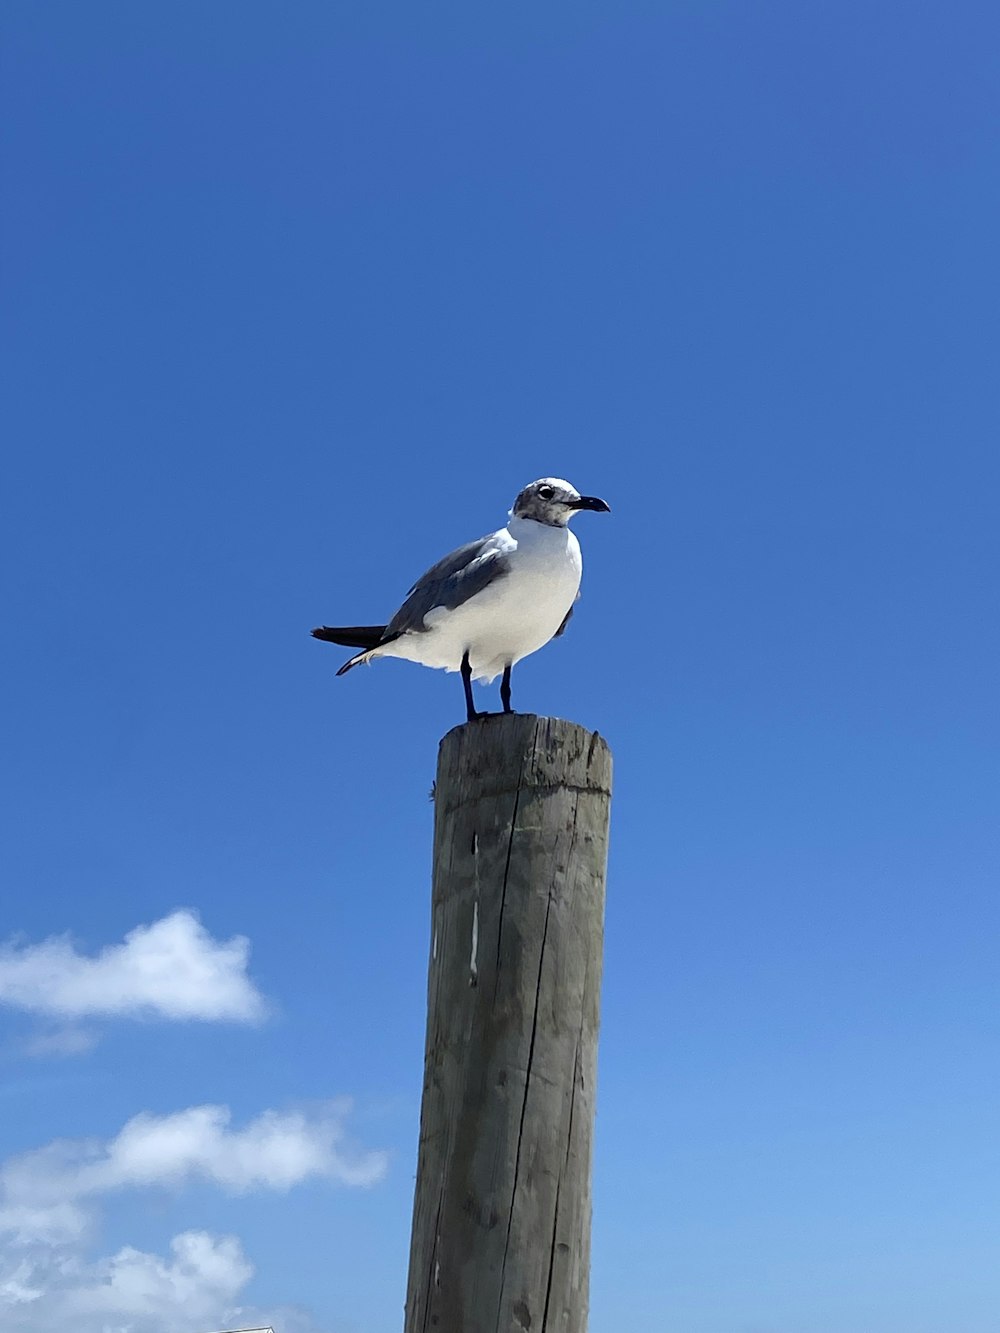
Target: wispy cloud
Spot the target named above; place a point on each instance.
(61, 1042)
(171, 969)
(41, 1192)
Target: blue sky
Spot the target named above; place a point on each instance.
(296, 298)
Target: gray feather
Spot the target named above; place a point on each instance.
(450, 583)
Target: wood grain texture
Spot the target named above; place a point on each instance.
(501, 1224)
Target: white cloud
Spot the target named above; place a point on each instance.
(203, 1280)
(41, 1192)
(48, 1211)
(275, 1151)
(48, 1222)
(195, 1289)
(170, 969)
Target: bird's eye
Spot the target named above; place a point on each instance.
(546, 492)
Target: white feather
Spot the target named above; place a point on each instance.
(514, 616)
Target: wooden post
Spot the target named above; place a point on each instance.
(501, 1215)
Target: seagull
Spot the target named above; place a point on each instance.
(490, 603)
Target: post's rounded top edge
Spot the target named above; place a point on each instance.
(524, 750)
(517, 721)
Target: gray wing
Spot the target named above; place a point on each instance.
(450, 582)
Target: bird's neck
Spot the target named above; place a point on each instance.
(530, 530)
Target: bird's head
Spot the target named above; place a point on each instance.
(554, 502)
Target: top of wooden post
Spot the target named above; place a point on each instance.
(487, 756)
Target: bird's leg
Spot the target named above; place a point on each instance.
(505, 690)
(466, 670)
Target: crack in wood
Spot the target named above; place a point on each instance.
(503, 889)
(433, 1268)
(524, 1105)
(552, 1258)
(572, 1098)
(510, 851)
(543, 788)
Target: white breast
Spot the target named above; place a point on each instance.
(516, 615)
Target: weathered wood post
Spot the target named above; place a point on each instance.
(501, 1215)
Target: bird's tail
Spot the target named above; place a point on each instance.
(366, 637)
(351, 636)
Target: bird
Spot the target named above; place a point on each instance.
(491, 602)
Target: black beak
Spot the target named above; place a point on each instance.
(591, 502)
